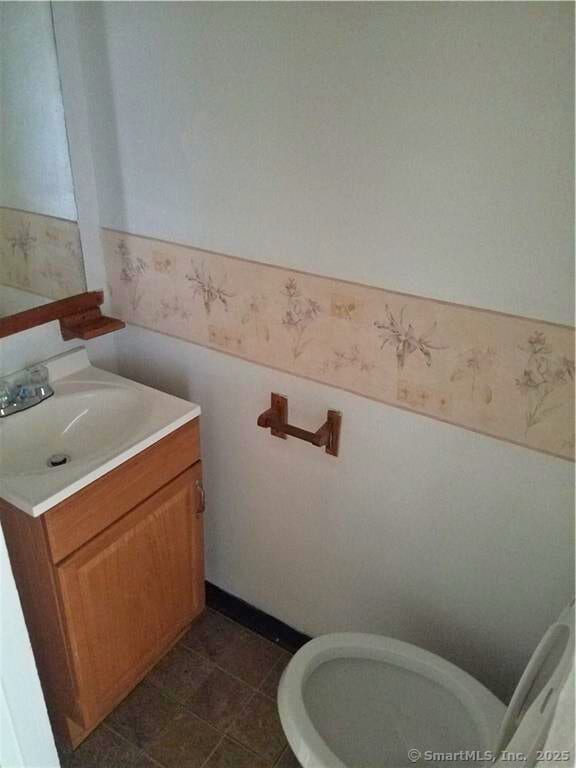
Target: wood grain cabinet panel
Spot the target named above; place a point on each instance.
(130, 584)
(131, 591)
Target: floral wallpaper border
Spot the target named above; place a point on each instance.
(504, 376)
(40, 254)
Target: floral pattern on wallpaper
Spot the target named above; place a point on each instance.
(546, 380)
(40, 254)
(509, 377)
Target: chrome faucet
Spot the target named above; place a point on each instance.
(24, 389)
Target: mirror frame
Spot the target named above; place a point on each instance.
(80, 317)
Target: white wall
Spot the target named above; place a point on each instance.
(424, 148)
(44, 341)
(34, 166)
(26, 738)
(419, 530)
(14, 300)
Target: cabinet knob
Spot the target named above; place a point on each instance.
(202, 500)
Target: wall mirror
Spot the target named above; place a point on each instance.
(40, 249)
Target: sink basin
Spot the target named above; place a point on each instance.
(94, 421)
(81, 421)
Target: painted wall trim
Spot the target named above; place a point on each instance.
(493, 373)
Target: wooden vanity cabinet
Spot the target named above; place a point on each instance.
(110, 578)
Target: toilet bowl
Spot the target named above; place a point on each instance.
(365, 701)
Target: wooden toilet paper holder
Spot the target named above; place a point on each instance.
(276, 420)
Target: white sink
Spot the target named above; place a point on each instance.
(82, 421)
(94, 421)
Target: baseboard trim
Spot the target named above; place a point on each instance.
(254, 619)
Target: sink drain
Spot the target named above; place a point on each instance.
(58, 460)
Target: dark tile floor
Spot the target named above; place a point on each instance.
(210, 703)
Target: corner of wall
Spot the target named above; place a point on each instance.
(80, 144)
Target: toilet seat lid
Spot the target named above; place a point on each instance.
(531, 709)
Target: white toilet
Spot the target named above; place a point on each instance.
(365, 701)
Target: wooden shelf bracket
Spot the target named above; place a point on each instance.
(88, 322)
(276, 420)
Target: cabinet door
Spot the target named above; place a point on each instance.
(131, 590)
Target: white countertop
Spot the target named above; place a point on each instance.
(134, 419)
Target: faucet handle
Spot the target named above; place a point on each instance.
(38, 375)
(5, 393)
(38, 380)
(23, 389)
